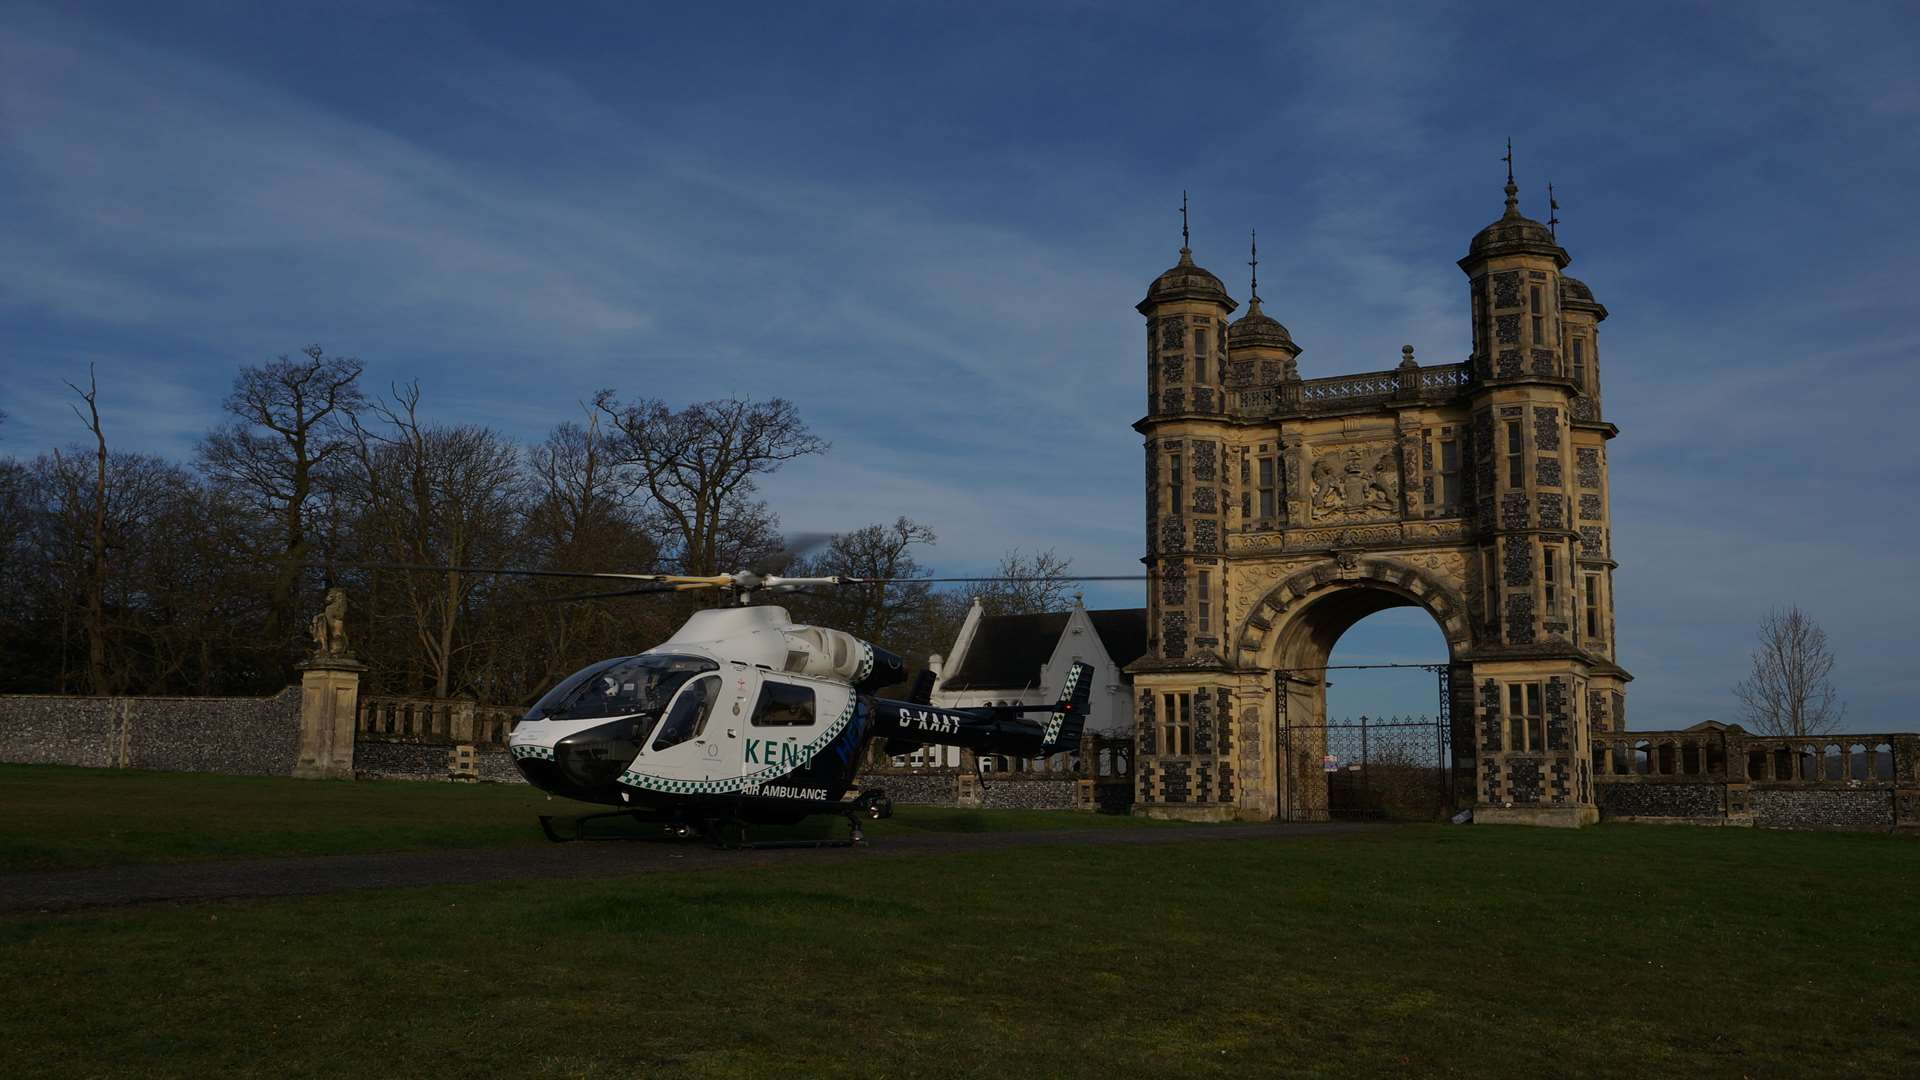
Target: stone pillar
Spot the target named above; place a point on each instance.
(329, 702)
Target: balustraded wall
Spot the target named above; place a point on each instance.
(400, 738)
(1835, 781)
(1097, 778)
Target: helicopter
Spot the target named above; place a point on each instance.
(745, 718)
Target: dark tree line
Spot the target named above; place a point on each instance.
(126, 573)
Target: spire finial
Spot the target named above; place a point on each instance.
(1186, 241)
(1254, 236)
(1513, 192)
(1553, 216)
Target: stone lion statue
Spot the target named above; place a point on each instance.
(329, 628)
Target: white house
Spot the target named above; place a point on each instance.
(1023, 660)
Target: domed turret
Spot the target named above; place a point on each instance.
(1514, 234)
(1257, 329)
(1185, 281)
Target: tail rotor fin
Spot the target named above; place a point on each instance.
(922, 692)
(1069, 717)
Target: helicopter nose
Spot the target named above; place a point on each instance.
(585, 764)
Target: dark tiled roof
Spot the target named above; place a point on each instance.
(1123, 631)
(1007, 652)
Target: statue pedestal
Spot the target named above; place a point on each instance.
(329, 702)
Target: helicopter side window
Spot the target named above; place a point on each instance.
(687, 716)
(783, 705)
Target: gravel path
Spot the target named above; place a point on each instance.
(65, 890)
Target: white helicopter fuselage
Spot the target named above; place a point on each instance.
(740, 704)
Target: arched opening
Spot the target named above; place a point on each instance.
(1357, 738)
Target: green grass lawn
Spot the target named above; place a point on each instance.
(1485, 952)
(54, 817)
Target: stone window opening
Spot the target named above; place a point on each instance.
(1200, 356)
(1717, 759)
(1176, 728)
(1490, 567)
(1593, 606)
(1447, 480)
(1883, 761)
(1527, 722)
(1690, 759)
(1550, 577)
(1204, 594)
(1176, 482)
(1783, 763)
(1666, 759)
(1643, 757)
(1756, 764)
(1580, 363)
(1539, 310)
(1269, 485)
(1516, 448)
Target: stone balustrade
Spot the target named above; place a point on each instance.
(1833, 781)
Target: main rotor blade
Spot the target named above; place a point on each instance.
(597, 595)
(441, 569)
(945, 580)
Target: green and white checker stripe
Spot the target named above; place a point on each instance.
(727, 785)
(544, 753)
(1053, 725)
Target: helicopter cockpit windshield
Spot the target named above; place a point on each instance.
(622, 687)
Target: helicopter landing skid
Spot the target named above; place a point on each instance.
(579, 827)
(717, 831)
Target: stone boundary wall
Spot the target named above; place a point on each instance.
(1838, 781)
(247, 736)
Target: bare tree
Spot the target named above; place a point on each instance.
(697, 466)
(1029, 585)
(435, 495)
(1789, 691)
(96, 595)
(878, 611)
(292, 423)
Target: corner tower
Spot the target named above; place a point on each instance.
(1543, 670)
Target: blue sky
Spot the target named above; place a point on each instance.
(927, 225)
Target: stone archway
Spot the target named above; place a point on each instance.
(1292, 631)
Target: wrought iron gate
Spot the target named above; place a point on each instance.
(1399, 769)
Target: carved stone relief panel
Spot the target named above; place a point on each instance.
(1355, 483)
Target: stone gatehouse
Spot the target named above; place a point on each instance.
(1280, 511)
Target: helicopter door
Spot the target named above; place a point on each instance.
(687, 743)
